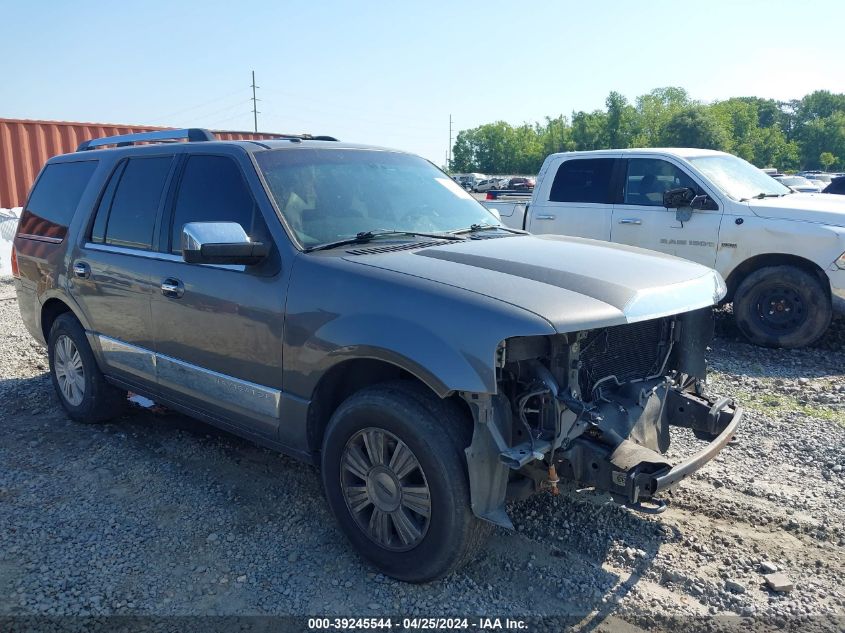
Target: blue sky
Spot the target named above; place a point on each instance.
(391, 73)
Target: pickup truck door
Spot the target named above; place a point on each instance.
(640, 219)
(574, 199)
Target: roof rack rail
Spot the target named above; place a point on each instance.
(302, 137)
(191, 134)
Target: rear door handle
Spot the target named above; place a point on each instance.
(172, 288)
(81, 269)
(636, 221)
(544, 217)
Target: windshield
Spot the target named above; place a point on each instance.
(332, 194)
(737, 178)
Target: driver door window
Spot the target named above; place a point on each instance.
(648, 179)
(212, 189)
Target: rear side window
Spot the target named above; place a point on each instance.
(213, 189)
(583, 180)
(54, 200)
(131, 202)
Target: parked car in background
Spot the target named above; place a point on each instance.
(486, 185)
(782, 253)
(434, 371)
(521, 183)
(798, 183)
(817, 176)
(837, 186)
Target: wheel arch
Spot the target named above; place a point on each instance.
(738, 274)
(50, 311)
(352, 375)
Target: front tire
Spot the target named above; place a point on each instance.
(782, 306)
(394, 473)
(80, 385)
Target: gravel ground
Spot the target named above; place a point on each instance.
(159, 514)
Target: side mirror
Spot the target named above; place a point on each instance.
(704, 202)
(677, 198)
(220, 243)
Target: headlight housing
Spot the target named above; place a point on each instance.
(840, 262)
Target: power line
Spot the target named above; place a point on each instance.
(238, 104)
(200, 105)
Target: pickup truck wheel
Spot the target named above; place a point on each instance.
(782, 306)
(394, 474)
(83, 391)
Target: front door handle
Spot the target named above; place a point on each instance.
(544, 217)
(636, 221)
(82, 270)
(172, 288)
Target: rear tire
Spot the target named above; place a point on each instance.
(394, 474)
(782, 306)
(80, 385)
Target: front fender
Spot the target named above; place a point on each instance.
(414, 348)
(444, 335)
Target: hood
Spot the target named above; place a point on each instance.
(573, 283)
(823, 208)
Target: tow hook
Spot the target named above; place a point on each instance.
(653, 506)
(553, 481)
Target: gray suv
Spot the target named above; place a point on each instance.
(356, 308)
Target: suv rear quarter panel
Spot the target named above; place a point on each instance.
(44, 263)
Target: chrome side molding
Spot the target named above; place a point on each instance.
(131, 359)
(219, 390)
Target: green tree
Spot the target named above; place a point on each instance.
(826, 159)
(621, 121)
(589, 130)
(654, 111)
(825, 134)
(694, 127)
(556, 136)
(772, 149)
(769, 133)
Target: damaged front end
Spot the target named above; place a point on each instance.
(595, 407)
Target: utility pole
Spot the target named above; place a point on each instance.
(255, 104)
(449, 151)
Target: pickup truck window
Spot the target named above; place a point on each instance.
(583, 180)
(213, 189)
(737, 178)
(327, 195)
(55, 198)
(649, 178)
(133, 210)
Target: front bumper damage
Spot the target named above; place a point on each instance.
(595, 408)
(597, 458)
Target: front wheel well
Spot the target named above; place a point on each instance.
(340, 382)
(738, 274)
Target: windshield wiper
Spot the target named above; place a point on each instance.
(366, 236)
(475, 228)
(762, 195)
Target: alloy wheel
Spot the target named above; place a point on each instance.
(70, 373)
(385, 489)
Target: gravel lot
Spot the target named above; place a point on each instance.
(159, 514)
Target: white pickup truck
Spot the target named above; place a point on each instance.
(781, 253)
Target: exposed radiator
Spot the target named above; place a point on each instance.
(628, 352)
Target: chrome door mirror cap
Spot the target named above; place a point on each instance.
(220, 243)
